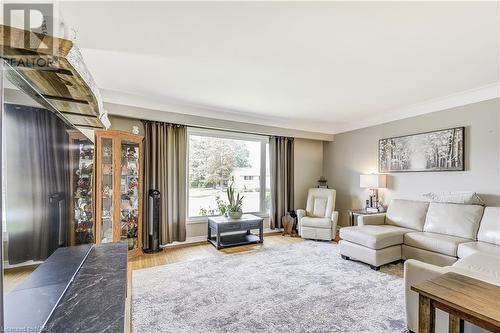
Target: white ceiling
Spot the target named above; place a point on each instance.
(322, 66)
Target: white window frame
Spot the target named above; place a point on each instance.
(264, 140)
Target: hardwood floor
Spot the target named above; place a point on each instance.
(182, 253)
(14, 276)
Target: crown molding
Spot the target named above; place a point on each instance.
(128, 111)
(172, 105)
(479, 94)
(471, 96)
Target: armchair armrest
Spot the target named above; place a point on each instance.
(335, 219)
(375, 219)
(300, 213)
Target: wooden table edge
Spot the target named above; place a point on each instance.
(464, 313)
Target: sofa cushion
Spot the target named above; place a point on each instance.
(489, 230)
(407, 214)
(482, 266)
(316, 222)
(453, 219)
(466, 249)
(439, 243)
(374, 236)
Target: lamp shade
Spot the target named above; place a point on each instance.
(372, 181)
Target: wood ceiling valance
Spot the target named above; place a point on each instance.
(52, 71)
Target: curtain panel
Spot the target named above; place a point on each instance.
(165, 158)
(281, 164)
(37, 166)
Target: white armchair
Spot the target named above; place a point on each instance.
(318, 220)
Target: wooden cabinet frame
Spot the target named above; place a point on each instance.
(117, 137)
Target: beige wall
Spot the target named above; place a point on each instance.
(355, 152)
(125, 124)
(308, 168)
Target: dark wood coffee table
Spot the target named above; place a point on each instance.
(232, 232)
(463, 297)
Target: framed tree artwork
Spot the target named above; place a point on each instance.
(442, 150)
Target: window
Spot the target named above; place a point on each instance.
(217, 159)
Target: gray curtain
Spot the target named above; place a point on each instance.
(281, 164)
(165, 155)
(37, 167)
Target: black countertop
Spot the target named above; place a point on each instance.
(29, 305)
(95, 300)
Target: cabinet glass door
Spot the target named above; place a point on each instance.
(129, 183)
(82, 192)
(107, 190)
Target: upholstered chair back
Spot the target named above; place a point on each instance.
(489, 230)
(320, 202)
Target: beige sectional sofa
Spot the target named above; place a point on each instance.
(436, 238)
(431, 232)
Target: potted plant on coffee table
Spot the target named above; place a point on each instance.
(234, 206)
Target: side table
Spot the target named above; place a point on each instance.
(357, 212)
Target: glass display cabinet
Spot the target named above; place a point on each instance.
(119, 188)
(82, 188)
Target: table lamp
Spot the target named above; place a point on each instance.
(372, 182)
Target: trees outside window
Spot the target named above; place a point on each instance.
(216, 160)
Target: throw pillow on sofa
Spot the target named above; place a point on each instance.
(458, 197)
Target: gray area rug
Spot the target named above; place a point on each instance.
(304, 287)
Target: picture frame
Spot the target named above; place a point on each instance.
(433, 151)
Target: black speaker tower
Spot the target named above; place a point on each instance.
(154, 222)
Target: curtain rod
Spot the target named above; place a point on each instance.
(240, 132)
(218, 129)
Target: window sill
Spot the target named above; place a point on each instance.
(204, 219)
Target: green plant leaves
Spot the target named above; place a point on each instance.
(233, 205)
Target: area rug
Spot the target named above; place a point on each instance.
(304, 287)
